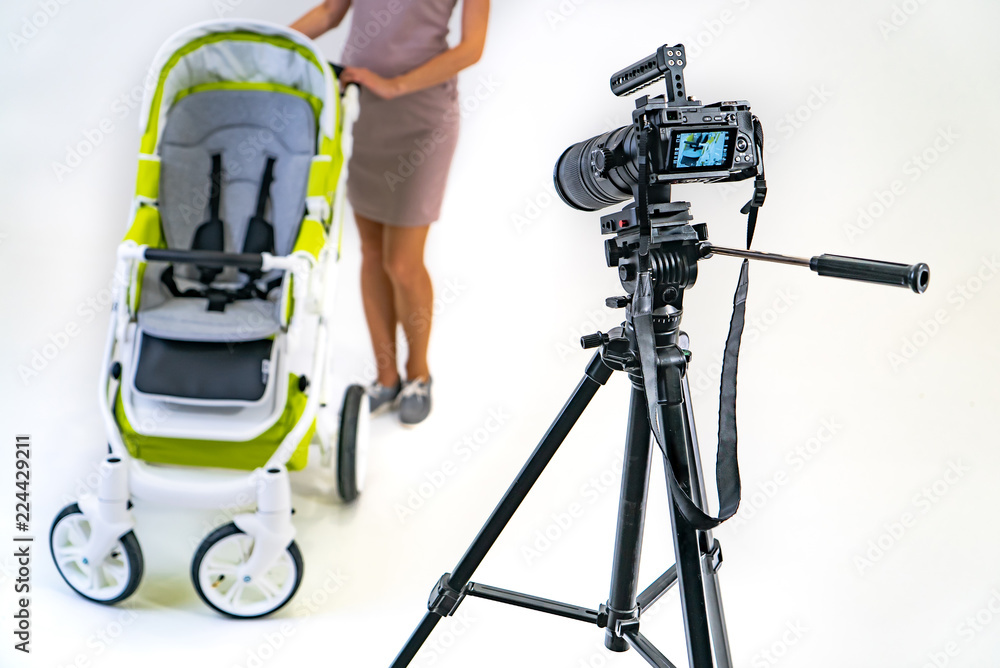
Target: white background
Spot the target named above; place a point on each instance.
(849, 93)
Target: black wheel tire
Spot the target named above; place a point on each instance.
(228, 530)
(132, 553)
(347, 444)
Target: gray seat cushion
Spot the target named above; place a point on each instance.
(188, 319)
(245, 127)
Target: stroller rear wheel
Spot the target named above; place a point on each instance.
(214, 573)
(111, 581)
(352, 443)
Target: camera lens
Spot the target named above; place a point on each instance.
(574, 177)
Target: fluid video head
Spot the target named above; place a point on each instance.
(688, 142)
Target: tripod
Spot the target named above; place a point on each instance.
(698, 554)
(651, 350)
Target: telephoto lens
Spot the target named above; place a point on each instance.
(592, 174)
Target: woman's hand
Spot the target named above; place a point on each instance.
(380, 86)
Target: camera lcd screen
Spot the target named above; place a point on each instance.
(701, 150)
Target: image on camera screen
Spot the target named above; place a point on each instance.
(696, 150)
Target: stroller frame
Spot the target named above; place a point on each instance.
(97, 531)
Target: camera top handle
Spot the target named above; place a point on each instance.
(668, 61)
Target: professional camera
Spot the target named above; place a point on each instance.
(656, 249)
(689, 142)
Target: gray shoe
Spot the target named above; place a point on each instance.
(415, 401)
(381, 398)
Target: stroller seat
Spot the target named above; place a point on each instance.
(233, 175)
(245, 128)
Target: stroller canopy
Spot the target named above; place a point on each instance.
(218, 54)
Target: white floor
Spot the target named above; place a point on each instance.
(868, 415)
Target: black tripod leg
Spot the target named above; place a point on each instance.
(713, 596)
(686, 547)
(631, 516)
(450, 589)
(416, 641)
(716, 617)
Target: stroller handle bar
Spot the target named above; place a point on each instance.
(205, 258)
(253, 261)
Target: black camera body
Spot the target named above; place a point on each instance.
(698, 143)
(687, 141)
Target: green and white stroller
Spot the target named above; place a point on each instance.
(218, 350)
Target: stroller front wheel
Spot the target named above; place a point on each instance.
(111, 581)
(214, 573)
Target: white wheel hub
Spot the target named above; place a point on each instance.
(219, 576)
(104, 581)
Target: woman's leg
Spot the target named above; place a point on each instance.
(377, 297)
(403, 258)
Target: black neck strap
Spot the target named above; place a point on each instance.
(727, 461)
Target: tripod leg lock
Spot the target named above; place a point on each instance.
(445, 599)
(714, 557)
(671, 366)
(602, 616)
(620, 622)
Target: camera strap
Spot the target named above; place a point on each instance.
(670, 392)
(645, 231)
(759, 183)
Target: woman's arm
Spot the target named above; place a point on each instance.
(322, 17)
(441, 68)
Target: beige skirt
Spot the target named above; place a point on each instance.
(402, 154)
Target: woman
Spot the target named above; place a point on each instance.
(403, 144)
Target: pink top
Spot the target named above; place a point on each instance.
(391, 37)
(402, 147)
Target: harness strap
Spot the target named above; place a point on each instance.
(260, 233)
(210, 234)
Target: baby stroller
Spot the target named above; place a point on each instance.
(218, 350)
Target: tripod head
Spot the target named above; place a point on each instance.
(675, 245)
(656, 249)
